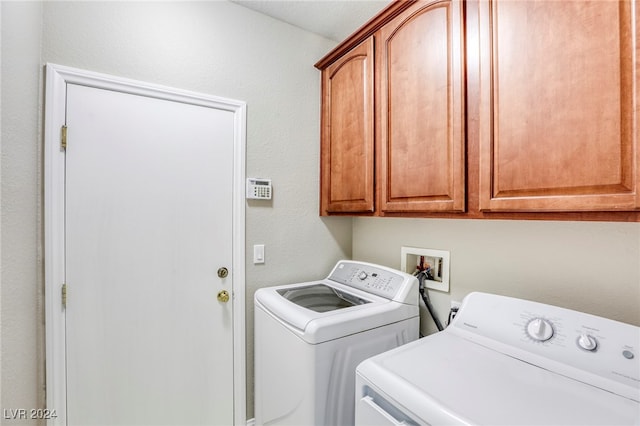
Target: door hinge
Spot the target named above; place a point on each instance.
(63, 138)
(64, 295)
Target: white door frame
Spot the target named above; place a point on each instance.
(57, 78)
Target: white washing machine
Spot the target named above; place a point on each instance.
(309, 338)
(505, 361)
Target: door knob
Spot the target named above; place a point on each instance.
(223, 272)
(223, 296)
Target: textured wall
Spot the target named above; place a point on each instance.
(22, 314)
(217, 48)
(587, 266)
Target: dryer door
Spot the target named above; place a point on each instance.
(369, 412)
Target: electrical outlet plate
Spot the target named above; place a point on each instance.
(437, 259)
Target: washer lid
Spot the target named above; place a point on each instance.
(292, 305)
(321, 297)
(446, 379)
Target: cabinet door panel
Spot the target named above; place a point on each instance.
(347, 133)
(420, 112)
(558, 106)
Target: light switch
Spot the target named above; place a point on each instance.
(258, 253)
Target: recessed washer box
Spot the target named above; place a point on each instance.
(438, 261)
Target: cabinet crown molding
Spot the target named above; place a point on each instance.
(364, 32)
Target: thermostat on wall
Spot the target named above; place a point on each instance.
(258, 189)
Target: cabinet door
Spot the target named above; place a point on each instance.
(421, 109)
(347, 146)
(558, 124)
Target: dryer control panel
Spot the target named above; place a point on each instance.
(584, 347)
(379, 280)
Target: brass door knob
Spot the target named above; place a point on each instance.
(223, 296)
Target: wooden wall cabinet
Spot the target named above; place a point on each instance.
(347, 149)
(558, 106)
(420, 109)
(415, 58)
(485, 109)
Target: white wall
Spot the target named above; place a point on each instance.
(592, 267)
(213, 47)
(21, 335)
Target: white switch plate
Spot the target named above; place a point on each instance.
(409, 260)
(258, 253)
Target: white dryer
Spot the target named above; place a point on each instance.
(506, 361)
(309, 338)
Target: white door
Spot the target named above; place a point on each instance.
(148, 223)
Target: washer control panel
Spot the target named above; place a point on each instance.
(585, 347)
(379, 280)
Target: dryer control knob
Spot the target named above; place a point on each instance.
(540, 329)
(363, 276)
(588, 343)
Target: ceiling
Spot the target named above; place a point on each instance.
(333, 19)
